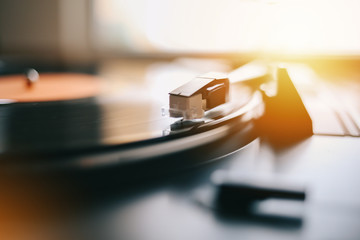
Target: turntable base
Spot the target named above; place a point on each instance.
(96, 203)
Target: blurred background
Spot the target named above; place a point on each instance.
(86, 30)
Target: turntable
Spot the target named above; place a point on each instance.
(66, 122)
(56, 122)
(126, 131)
(94, 137)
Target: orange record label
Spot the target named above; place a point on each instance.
(49, 87)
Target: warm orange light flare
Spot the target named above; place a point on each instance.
(269, 26)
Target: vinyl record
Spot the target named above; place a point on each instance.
(65, 121)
